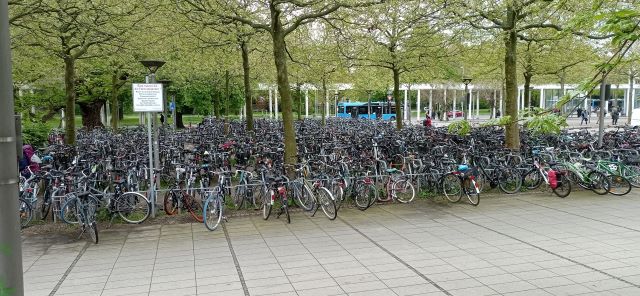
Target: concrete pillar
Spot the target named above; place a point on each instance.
(306, 103)
(407, 108)
(543, 102)
(62, 123)
(430, 101)
(444, 111)
(500, 107)
(108, 113)
(493, 104)
(270, 103)
(455, 98)
(470, 106)
(418, 105)
(478, 105)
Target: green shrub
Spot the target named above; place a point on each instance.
(34, 133)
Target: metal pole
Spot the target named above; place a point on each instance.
(455, 94)
(156, 131)
(368, 104)
(275, 96)
(10, 244)
(418, 104)
(270, 103)
(306, 103)
(478, 105)
(603, 102)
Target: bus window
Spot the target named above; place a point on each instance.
(363, 110)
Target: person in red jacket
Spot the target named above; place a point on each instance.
(427, 122)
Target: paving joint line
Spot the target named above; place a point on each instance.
(68, 271)
(114, 263)
(578, 215)
(407, 265)
(245, 289)
(155, 257)
(548, 252)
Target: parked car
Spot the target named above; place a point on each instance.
(458, 114)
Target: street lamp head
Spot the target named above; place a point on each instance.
(152, 65)
(466, 80)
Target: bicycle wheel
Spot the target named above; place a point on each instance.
(575, 179)
(303, 196)
(327, 204)
(363, 196)
(69, 210)
(532, 179)
(472, 191)
(194, 206)
(45, 207)
(170, 202)
(212, 212)
(619, 185)
(599, 183)
(266, 205)
(403, 191)
(26, 212)
(93, 232)
(132, 207)
(338, 194)
(632, 173)
(451, 187)
(240, 194)
(509, 180)
(564, 185)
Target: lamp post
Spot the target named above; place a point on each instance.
(368, 104)
(335, 103)
(152, 66)
(466, 82)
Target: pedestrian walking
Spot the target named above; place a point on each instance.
(498, 113)
(579, 112)
(584, 119)
(615, 114)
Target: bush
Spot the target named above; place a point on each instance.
(34, 133)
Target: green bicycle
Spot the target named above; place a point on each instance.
(588, 179)
(614, 171)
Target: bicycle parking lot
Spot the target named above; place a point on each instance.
(529, 244)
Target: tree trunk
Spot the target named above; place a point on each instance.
(527, 91)
(70, 106)
(512, 131)
(280, 58)
(114, 102)
(322, 106)
(178, 119)
(396, 98)
(247, 85)
(91, 114)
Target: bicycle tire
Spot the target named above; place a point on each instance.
(532, 179)
(303, 196)
(632, 173)
(403, 191)
(133, 207)
(93, 232)
(364, 195)
(240, 194)
(509, 181)
(194, 207)
(327, 203)
(25, 212)
(599, 183)
(68, 211)
(564, 186)
(338, 194)
(266, 206)
(212, 212)
(617, 181)
(45, 207)
(473, 193)
(170, 202)
(451, 187)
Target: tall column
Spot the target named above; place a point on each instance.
(493, 104)
(10, 242)
(326, 104)
(478, 105)
(444, 109)
(543, 102)
(407, 108)
(418, 105)
(62, 123)
(107, 113)
(469, 111)
(306, 103)
(430, 100)
(275, 107)
(270, 103)
(455, 95)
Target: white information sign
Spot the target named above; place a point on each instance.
(147, 97)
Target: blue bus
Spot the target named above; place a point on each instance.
(373, 110)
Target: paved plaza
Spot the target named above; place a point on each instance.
(535, 244)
